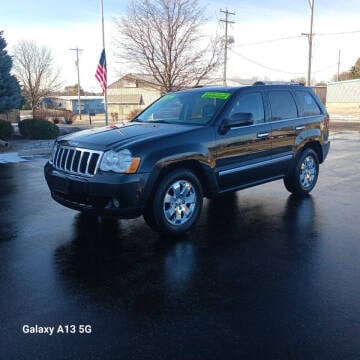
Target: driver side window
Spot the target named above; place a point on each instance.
(251, 103)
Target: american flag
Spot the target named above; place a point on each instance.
(101, 71)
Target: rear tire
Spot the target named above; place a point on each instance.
(304, 174)
(176, 203)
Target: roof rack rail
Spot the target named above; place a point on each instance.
(206, 85)
(277, 83)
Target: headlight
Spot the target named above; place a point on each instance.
(120, 162)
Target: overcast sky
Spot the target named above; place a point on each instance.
(65, 24)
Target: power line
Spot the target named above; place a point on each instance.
(268, 41)
(338, 33)
(326, 68)
(278, 70)
(294, 37)
(264, 66)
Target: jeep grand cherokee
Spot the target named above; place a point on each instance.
(190, 144)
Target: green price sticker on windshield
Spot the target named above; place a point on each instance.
(216, 95)
(168, 97)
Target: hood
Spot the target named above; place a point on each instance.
(121, 136)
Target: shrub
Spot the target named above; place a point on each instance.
(132, 114)
(46, 114)
(69, 116)
(6, 130)
(55, 115)
(38, 129)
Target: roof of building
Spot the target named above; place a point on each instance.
(149, 81)
(82, 97)
(144, 78)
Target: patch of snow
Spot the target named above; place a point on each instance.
(11, 157)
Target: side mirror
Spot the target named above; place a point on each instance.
(236, 120)
(241, 119)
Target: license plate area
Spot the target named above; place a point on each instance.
(61, 185)
(67, 186)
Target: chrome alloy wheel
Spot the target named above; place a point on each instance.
(179, 202)
(308, 172)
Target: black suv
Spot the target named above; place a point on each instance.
(190, 144)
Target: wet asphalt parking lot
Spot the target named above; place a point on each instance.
(265, 275)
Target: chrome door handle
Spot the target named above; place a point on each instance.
(300, 127)
(262, 135)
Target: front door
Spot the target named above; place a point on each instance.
(243, 153)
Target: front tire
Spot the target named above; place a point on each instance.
(176, 203)
(304, 175)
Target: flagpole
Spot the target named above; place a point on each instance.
(103, 41)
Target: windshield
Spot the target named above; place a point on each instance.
(196, 108)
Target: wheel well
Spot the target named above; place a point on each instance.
(315, 145)
(191, 165)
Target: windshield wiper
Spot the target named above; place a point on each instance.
(161, 121)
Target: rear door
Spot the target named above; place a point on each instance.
(243, 154)
(285, 124)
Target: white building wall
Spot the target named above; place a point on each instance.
(148, 95)
(344, 92)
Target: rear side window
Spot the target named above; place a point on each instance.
(307, 103)
(282, 105)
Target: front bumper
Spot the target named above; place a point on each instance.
(107, 194)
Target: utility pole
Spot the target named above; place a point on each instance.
(78, 76)
(338, 67)
(310, 39)
(226, 21)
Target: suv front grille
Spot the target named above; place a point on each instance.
(76, 160)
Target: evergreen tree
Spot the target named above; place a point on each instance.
(10, 92)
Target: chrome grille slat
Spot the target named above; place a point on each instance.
(70, 161)
(87, 165)
(79, 165)
(57, 160)
(77, 161)
(66, 160)
(63, 158)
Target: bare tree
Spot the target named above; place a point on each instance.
(352, 73)
(33, 66)
(164, 39)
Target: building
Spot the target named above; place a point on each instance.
(130, 93)
(343, 99)
(89, 104)
(344, 93)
